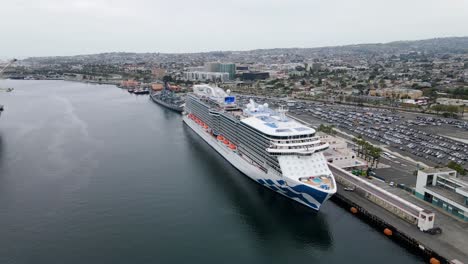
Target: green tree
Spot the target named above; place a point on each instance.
(375, 153)
(455, 166)
(359, 143)
(167, 78)
(367, 151)
(326, 129)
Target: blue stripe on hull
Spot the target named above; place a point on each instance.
(296, 192)
(299, 193)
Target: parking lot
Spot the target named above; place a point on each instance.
(421, 137)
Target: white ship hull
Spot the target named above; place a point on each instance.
(293, 189)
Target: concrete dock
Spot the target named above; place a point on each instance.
(451, 244)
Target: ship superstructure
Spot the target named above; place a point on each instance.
(264, 144)
(168, 98)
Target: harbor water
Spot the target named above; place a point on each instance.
(93, 174)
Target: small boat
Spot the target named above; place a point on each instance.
(130, 90)
(141, 91)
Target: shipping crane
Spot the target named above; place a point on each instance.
(8, 64)
(7, 89)
(1, 72)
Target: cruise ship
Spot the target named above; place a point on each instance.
(265, 145)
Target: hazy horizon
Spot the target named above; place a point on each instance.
(127, 51)
(55, 28)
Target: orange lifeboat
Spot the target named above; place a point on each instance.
(232, 146)
(205, 126)
(226, 142)
(220, 138)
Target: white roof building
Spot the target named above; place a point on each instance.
(442, 188)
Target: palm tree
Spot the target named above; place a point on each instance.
(356, 142)
(375, 155)
(360, 143)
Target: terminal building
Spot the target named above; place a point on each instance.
(443, 188)
(340, 155)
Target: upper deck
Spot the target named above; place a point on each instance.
(215, 97)
(271, 124)
(274, 123)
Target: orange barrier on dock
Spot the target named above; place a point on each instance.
(388, 232)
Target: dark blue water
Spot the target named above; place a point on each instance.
(93, 174)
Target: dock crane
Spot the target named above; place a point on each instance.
(8, 64)
(7, 89)
(1, 72)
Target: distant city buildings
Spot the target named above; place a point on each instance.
(443, 188)
(396, 93)
(450, 101)
(160, 86)
(418, 101)
(251, 76)
(206, 76)
(157, 87)
(230, 68)
(158, 73)
(395, 76)
(212, 72)
(129, 83)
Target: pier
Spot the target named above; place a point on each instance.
(400, 219)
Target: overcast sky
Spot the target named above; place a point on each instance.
(69, 27)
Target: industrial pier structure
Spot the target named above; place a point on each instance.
(386, 211)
